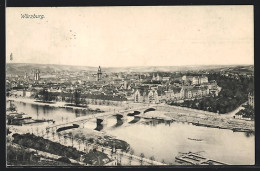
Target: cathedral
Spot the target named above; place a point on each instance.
(36, 74)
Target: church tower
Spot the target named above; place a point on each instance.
(158, 77)
(36, 75)
(99, 74)
(153, 79)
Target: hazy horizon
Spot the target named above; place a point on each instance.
(132, 36)
(134, 66)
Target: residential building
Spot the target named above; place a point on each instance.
(145, 95)
(153, 96)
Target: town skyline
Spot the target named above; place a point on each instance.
(108, 95)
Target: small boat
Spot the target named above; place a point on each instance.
(194, 139)
(25, 116)
(20, 116)
(196, 159)
(43, 120)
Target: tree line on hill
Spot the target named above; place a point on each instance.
(234, 92)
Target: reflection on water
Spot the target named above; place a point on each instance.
(135, 120)
(155, 122)
(49, 112)
(110, 123)
(118, 123)
(99, 128)
(159, 138)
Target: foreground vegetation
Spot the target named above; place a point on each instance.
(18, 156)
(39, 143)
(94, 157)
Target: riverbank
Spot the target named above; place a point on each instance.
(200, 119)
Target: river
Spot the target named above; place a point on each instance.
(164, 140)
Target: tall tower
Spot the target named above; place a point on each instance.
(36, 74)
(99, 74)
(153, 77)
(158, 77)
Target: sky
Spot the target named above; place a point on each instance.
(131, 36)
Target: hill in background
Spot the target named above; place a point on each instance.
(16, 68)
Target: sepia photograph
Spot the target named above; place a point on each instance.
(130, 86)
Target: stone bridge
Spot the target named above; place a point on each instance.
(102, 117)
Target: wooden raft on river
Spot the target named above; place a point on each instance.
(195, 159)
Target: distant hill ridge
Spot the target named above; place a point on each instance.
(14, 68)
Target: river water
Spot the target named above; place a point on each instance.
(163, 140)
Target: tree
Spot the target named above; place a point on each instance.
(62, 96)
(37, 131)
(130, 159)
(71, 138)
(152, 158)
(65, 139)
(91, 140)
(83, 142)
(53, 134)
(59, 135)
(45, 95)
(79, 142)
(131, 151)
(163, 161)
(47, 132)
(142, 156)
(121, 155)
(22, 150)
(12, 107)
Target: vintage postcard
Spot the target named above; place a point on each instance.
(130, 86)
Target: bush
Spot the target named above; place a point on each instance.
(64, 160)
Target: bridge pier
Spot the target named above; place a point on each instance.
(99, 124)
(119, 120)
